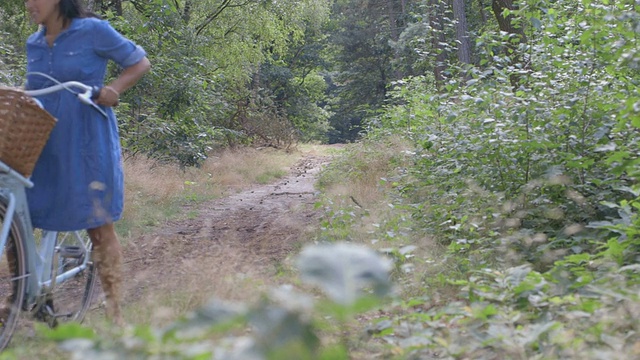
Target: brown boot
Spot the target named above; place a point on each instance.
(107, 255)
(5, 306)
(5, 311)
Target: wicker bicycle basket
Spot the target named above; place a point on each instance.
(24, 130)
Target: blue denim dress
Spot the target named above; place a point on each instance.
(79, 182)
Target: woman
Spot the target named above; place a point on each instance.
(79, 178)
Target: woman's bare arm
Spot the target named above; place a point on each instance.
(129, 77)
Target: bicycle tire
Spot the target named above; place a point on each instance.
(70, 300)
(13, 278)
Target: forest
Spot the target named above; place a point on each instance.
(508, 130)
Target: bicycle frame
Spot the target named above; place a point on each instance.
(45, 267)
(40, 261)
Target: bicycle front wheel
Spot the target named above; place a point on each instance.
(13, 277)
(70, 299)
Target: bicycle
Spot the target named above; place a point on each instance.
(46, 274)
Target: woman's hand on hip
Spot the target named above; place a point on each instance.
(108, 96)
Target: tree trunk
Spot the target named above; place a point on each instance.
(506, 24)
(436, 15)
(117, 4)
(393, 23)
(186, 13)
(483, 15)
(462, 34)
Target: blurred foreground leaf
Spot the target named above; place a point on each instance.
(344, 271)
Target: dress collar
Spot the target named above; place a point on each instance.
(75, 25)
(38, 37)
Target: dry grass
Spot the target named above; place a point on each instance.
(159, 193)
(155, 193)
(356, 181)
(357, 178)
(237, 169)
(182, 294)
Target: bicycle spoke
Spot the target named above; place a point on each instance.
(13, 276)
(70, 299)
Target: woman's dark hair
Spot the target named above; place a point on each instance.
(70, 9)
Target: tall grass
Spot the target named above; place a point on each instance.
(357, 187)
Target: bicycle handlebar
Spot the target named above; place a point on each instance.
(86, 96)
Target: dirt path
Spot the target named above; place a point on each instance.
(233, 247)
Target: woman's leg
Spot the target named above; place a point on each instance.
(107, 254)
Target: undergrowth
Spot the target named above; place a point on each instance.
(486, 287)
(528, 195)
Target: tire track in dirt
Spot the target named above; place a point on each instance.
(235, 241)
